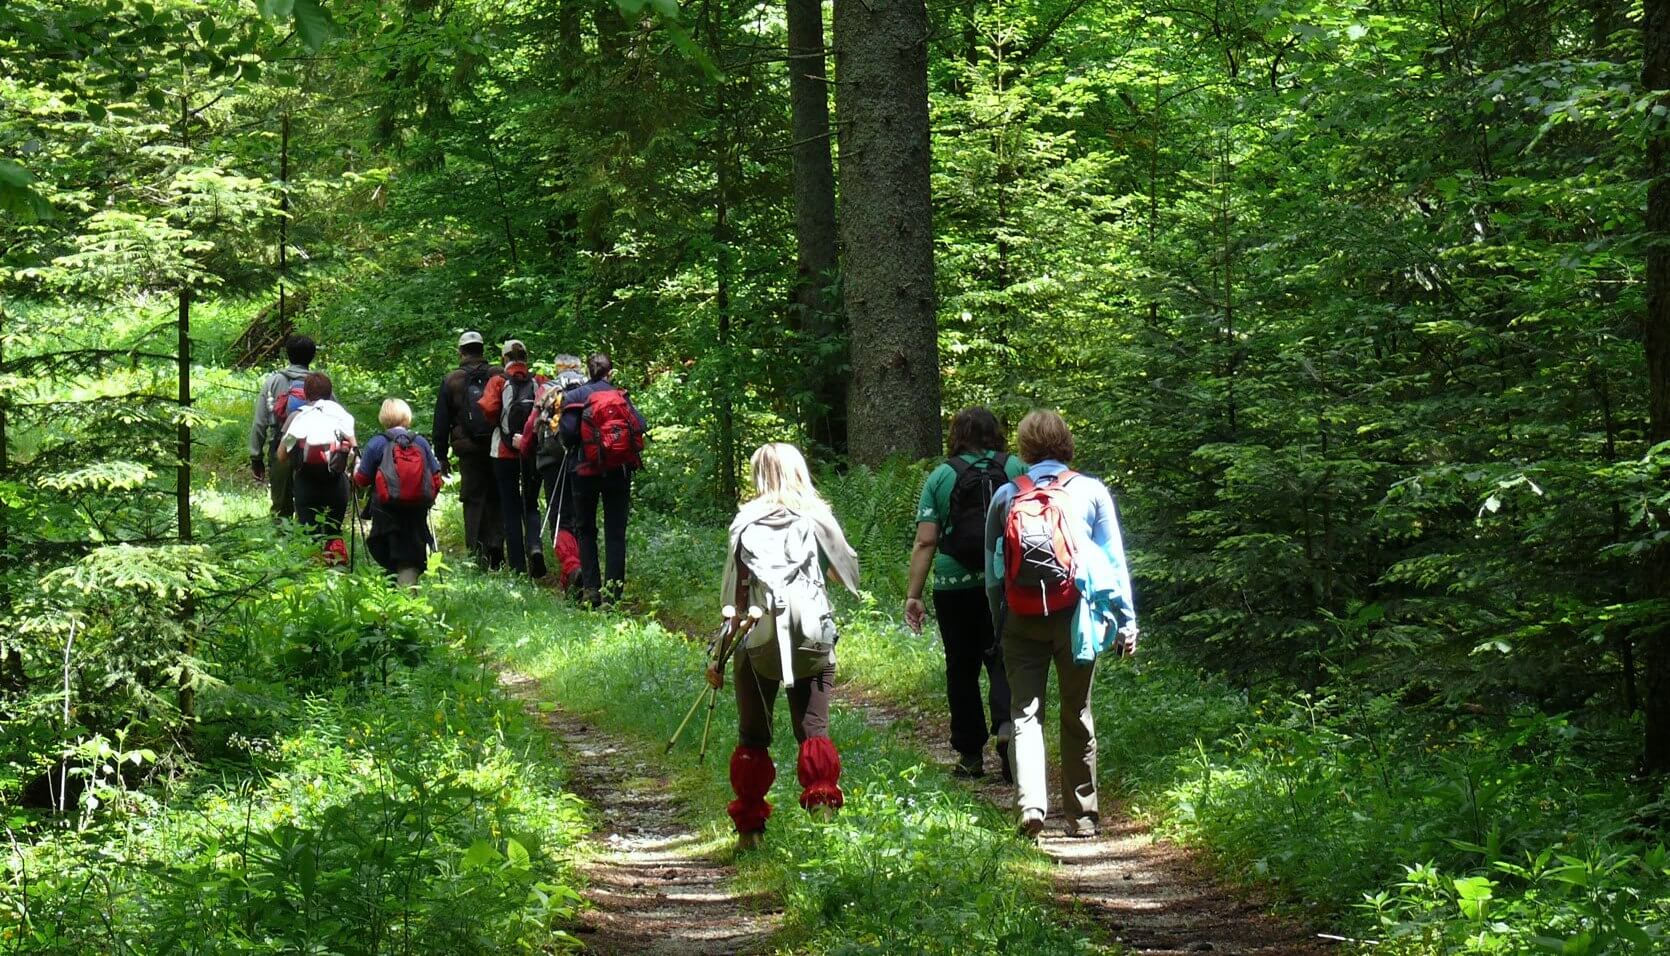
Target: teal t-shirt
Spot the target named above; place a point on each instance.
(935, 506)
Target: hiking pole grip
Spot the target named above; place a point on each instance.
(726, 649)
(728, 613)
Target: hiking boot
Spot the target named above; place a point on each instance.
(969, 767)
(746, 842)
(1084, 828)
(1032, 823)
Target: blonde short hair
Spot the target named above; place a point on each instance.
(1044, 435)
(395, 413)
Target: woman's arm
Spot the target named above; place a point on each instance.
(921, 561)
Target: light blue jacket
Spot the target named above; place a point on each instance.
(1103, 577)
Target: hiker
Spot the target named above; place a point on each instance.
(542, 439)
(462, 428)
(606, 433)
(950, 540)
(509, 402)
(780, 544)
(405, 476)
(279, 395)
(1060, 590)
(318, 440)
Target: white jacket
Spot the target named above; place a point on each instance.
(317, 423)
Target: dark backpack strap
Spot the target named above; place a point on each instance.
(958, 465)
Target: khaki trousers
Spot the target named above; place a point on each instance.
(1030, 645)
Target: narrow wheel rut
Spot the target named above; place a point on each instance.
(1149, 896)
(652, 884)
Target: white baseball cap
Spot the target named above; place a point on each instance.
(469, 338)
(511, 346)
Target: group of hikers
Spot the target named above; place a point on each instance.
(1025, 554)
(535, 454)
(1029, 571)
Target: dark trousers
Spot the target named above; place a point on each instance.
(965, 628)
(321, 500)
(280, 478)
(614, 490)
(518, 484)
(478, 490)
(756, 698)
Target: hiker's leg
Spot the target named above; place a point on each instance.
(997, 690)
(408, 575)
(585, 533)
(1078, 730)
(819, 767)
(1028, 661)
(479, 494)
(959, 633)
(531, 515)
(507, 475)
(752, 771)
(617, 501)
(279, 481)
(306, 502)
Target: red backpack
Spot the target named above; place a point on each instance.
(404, 476)
(288, 401)
(1039, 553)
(611, 433)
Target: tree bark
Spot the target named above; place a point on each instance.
(814, 221)
(886, 228)
(1655, 642)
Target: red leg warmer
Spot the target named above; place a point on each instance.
(820, 774)
(336, 552)
(752, 774)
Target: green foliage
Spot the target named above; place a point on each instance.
(338, 629)
(343, 820)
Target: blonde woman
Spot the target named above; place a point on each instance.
(402, 468)
(784, 546)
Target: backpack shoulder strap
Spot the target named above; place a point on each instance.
(1024, 484)
(958, 465)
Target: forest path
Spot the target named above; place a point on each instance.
(652, 884)
(1152, 897)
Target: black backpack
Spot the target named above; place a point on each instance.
(965, 535)
(476, 423)
(518, 397)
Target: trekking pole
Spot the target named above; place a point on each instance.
(728, 614)
(754, 615)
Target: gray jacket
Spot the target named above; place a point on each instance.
(784, 554)
(264, 431)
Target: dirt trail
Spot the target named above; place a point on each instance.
(1151, 897)
(652, 886)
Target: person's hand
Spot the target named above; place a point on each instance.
(516, 442)
(715, 679)
(915, 614)
(258, 467)
(1128, 640)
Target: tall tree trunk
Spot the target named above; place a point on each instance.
(11, 663)
(814, 220)
(723, 158)
(887, 250)
(1655, 642)
(182, 434)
